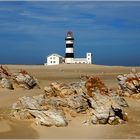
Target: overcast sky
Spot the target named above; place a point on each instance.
(29, 31)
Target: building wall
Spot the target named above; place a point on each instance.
(89, 58)
(80, 61)
(54, 60)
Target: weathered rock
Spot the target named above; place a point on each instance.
(62, 90)
(50, 117)
(106, 106)
(28, 107)
(49, 92)
(6, 83)
(118, 99)
(105, 109)
(77, 103)
(113, 120)
(26, 103)
(56, 102)
(24, 80)
(129, 84)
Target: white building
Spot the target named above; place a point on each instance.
(87, 60)
(54, 59)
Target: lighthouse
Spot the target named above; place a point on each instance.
(69, 54)
(55, 59)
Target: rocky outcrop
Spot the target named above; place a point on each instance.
(6, 83)
(106, 110)
(25, 80)
(21, 79)
(129, 85)
(51, 108)
(43, 114)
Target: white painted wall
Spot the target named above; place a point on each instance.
(54, 59)
(89, 58)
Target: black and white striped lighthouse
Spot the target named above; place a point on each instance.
(69, 54)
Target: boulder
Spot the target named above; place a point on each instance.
(61, 89)
(50, 117)
(28, 107)
(6, 83)
(24, 80)
(129, 84)
(105, 110)
(118, 99)
(59, 100)
(26, 103)
(78, 103)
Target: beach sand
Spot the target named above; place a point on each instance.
(11, 128)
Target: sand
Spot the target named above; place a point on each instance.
(10, 128)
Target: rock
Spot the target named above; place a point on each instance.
(40, 99)
(105, 107)
(77, 103)
(113, 120)
(95, 83)
(94, 119)
(28, 107)
(73, 113)
(26, 103)
(24, 80)
(50, 118)
(49, 92)
(6, 83)
(100, 111)
(56, 102)
(118, 99)
(41, 118)
(61, 89)
(129, 84)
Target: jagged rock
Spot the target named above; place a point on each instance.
(49, 92)
(50, 117)
(62, 90)
(106, 106)
(28, 107)
(77, 103)
(118, 99)
(6, 83)
(24, 80)
(56, 102)
(113, 120)
(26, 103)
(104, 103)
(105, 110)
(129, 84)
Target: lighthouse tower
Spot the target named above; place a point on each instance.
(69, 55)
